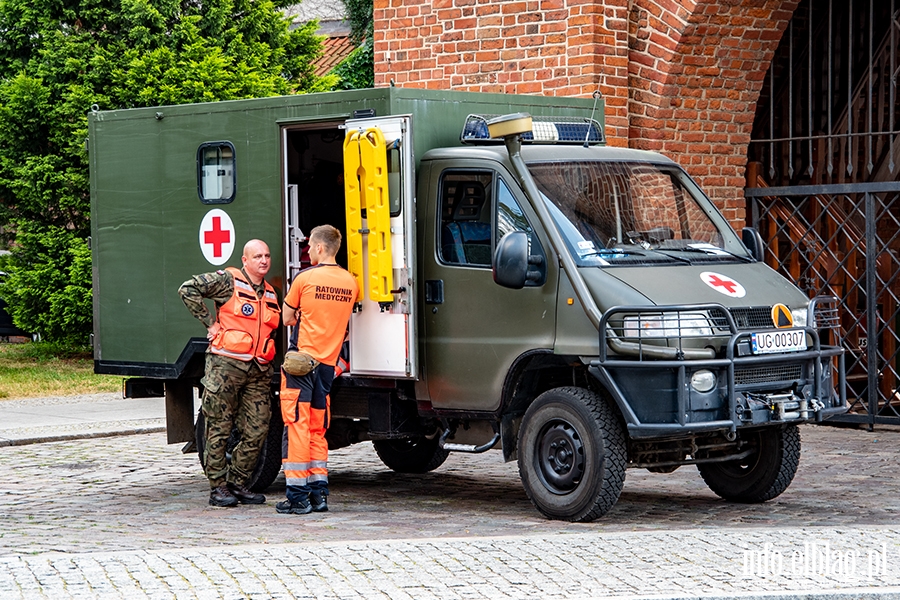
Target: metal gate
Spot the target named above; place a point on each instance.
(844, 240)
(826, 138)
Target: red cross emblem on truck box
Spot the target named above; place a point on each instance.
(217, 236)
(723, 284)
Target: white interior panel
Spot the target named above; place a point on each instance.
(382, 350)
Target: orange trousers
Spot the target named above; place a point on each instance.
(305, 411)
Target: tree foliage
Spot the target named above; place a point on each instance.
(360, 16)
(48, 289)
(357, 71)
(58, 58)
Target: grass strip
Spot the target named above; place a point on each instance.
(39, 369)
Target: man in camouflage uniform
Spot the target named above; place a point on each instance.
(238, 371)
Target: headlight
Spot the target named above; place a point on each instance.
(703, 381)
(799, 315)
(667, 325)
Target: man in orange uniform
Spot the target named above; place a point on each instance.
(322, 296)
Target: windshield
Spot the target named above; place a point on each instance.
(618, 213)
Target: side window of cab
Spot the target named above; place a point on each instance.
(464, 231)
(476, 209)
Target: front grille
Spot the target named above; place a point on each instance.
(753, 317)
(767, 374)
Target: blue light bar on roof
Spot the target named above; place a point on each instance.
(545, 130)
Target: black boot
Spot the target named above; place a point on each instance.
(319, 501)
(222, 496)
(245, 496)
(286, 507)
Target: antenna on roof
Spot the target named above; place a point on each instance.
(597, 95)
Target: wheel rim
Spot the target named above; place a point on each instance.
(747, 465)
(560, 457)
(406, 445)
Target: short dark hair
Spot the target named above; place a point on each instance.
(328, 236)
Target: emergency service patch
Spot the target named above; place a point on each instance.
(247, 310)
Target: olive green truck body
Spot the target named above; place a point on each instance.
(584, 308)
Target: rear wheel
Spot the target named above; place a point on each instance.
(762, 475)
(412, 455)
(572, 454)
(269, 463)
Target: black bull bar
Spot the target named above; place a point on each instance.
(643, 356)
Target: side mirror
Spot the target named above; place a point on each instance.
(510, 267)
(754, 243)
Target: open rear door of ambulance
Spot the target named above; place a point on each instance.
(379, 183)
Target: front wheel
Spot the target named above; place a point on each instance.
(762, 475)
(269, 463)
(572, 454)
(412, 455)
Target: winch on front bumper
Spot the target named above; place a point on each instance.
(681, 369)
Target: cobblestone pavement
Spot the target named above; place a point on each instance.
(128, 517)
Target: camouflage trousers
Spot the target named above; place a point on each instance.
(234, 397)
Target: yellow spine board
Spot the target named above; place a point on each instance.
(374, 185)
(353, 202)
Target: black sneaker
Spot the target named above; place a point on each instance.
(286, 508)
(222, 496)
(245, 496)
(319, 501)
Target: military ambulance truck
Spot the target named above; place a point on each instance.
(583, 309)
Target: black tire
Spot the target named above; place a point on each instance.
(269, 463)
(412, 455)
(764, 474)
(572, 454)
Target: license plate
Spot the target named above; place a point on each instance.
(789, 340)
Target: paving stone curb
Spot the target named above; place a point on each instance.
(635, 566)
(38, 434)
(82, 435)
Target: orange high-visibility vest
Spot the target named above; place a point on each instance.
(247, 322)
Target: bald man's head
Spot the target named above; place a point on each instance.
(256, 260)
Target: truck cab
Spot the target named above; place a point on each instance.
(582, 309)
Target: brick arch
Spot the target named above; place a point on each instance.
(696, 70)
(678, 76)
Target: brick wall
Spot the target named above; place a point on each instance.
(680, 77)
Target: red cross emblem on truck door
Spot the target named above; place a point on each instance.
(723, 284)
(217, 236)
